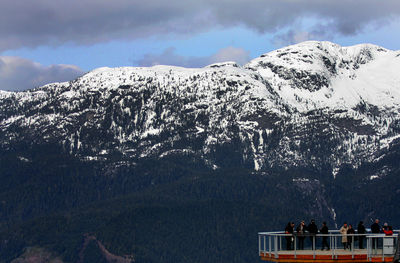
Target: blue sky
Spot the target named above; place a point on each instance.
(45, 41)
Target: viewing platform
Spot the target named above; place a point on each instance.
(272, 247)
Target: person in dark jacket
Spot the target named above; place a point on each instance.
(325, 231)
(350, 237)
(301, 231)
(361, 231)
(289, 239)
(313, 230)
(375, 229)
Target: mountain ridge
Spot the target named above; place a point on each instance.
(313, 127)
(253, 95)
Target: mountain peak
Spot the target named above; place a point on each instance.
(214, 104)
(313, 74)
(324, 48)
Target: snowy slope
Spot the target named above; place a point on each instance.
(314, 75)
(304, 105)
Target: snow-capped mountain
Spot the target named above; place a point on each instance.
(315, 104)
(180, 160)
(316, 75)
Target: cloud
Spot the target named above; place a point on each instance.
(292, 36)
(20, 74)
(237, 55)
(26, 23)
(169, 57)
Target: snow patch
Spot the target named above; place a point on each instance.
(23, 159)
(300, 179)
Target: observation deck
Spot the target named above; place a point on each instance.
(273, 247)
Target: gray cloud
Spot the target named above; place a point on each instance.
(26, 23)
(20, 74)
(237, 55)
(292, 36)
(169, 57)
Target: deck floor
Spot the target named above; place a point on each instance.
(337, 255)
(329, 252)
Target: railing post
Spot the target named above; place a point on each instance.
(368, 239)
(269, 244)
(295, 246)
(334, 244)
(276, 246)
(265, 244)
(396, 255)
(352, 245)
(313, 244)
(371, 247)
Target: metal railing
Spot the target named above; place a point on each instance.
(272, 244)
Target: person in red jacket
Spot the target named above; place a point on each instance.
(388, 230)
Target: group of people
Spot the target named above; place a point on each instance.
(302, 231)
(347, 231)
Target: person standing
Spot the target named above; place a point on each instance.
(301, 230)
(361, 231)
(313, 230)
(375, 229)
(350, 236)
(289, 239)
(343, 231)
(325, 231)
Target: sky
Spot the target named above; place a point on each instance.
(45, 41)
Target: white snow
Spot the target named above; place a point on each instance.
(199, 129)
(300, 179)
(375, 80)
(23, 159)
(232, 95)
